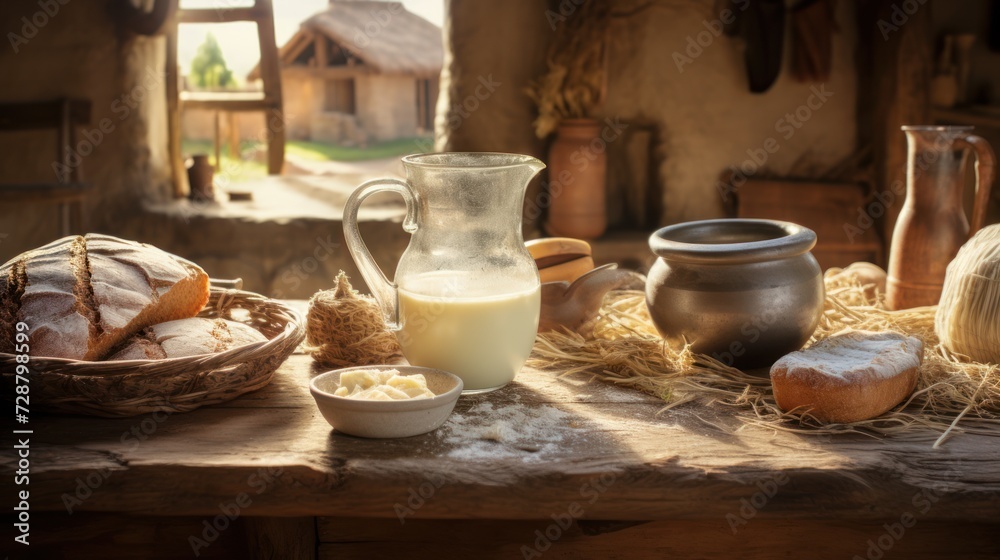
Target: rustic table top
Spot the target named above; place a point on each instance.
(541, 446)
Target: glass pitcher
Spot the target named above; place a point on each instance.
(466, 295)
(932, 226)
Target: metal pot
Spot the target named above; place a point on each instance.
(745, 292)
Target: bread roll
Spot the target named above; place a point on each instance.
(870, 277)
(187, 337)
(83, 295)
(848, 377)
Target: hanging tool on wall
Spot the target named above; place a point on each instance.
(813, 25)
(761, 25)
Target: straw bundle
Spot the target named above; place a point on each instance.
(627, 350)
(968, 319)
(575, 84)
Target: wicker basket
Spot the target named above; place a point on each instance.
(128, 388)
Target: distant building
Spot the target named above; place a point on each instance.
(360, 71)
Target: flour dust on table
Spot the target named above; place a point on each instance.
(486, 431)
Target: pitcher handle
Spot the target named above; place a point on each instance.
(985, 164)
(385, 292)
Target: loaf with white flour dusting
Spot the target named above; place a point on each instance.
(848, 377)
(81, 296)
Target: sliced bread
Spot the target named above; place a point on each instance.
(81, 296)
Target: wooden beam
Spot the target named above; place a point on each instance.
(295, 47)
(229, 101)
(65, 144)
(713, 539)
(288, 51)
(222, 15)
(320, 46)
(229, 105)
(902, 67)
(177, 169)
(218, 142)
(280, 538)
(233, 129)
(44, 114)
(611, 434)
(96, 535)
(55, 192)
(330, 72)
(965, 117)
(270, 71)
(67, 139)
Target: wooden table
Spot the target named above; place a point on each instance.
(608, 479)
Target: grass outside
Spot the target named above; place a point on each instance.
(237, 170)
(321, 151)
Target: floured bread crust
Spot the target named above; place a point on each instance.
(848, 377)
(83, 295)
(48, 283)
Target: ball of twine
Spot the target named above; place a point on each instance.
(968, 316)
(345, 328)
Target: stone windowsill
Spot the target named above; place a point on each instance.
(282, 199)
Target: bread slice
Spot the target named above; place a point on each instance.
(187, 337)
(848, 377)
(83, 295)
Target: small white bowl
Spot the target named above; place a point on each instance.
(387, 419)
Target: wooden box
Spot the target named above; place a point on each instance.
(841, 214)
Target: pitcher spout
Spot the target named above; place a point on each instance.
(535, 165)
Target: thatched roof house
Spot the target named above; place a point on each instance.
(360, 71)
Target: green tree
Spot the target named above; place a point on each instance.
(208, 69)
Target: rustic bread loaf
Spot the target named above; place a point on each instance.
(187, 337)
(83, 295)
(848, 377)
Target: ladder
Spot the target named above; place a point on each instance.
(268, 101)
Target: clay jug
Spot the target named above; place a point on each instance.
(200, 177)
(932, 226)
(578, 165)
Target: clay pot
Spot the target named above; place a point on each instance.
(745, 292)
(200, 177)
(578, 165)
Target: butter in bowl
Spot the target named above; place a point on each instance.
(386, 401)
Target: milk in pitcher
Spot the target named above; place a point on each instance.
(456, 323)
